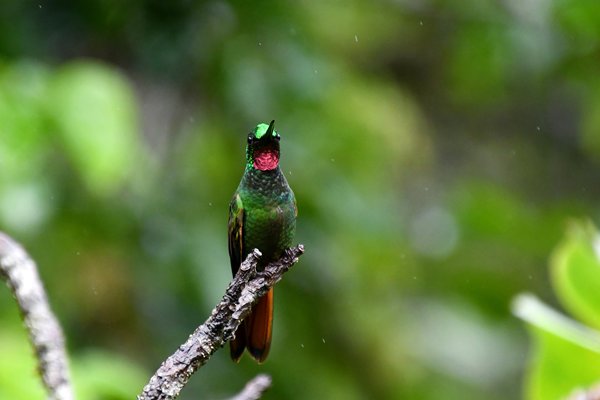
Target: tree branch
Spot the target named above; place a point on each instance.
(20, 273)
(243, 292)
(254, 389)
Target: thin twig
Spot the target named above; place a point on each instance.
(243, 292)
(254, 389)
(20, 273)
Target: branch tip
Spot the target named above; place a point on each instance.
(254, 388)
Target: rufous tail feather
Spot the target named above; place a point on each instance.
(259, 327)
(237, 345)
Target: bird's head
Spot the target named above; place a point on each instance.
(262, 151)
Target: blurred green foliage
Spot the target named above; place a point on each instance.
(566, 354)
(576, 276)
(436, 150)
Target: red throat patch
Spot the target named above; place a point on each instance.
(266, 159)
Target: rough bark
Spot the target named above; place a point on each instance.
(243, 292)
(21, 275)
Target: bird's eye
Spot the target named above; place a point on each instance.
(250, 138)
(277, 136)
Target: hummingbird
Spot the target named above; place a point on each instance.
(262, 215)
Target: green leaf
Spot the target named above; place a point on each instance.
(575, 268)
(94, 110)
(566, 354)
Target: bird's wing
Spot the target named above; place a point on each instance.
(235, 228)
(235, 233)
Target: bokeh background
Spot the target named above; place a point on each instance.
(436, 149)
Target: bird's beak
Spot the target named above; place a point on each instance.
(270, 130)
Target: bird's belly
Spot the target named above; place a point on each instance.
(270, 230)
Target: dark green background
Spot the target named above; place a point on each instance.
(436, 150)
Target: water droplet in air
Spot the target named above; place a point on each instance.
(356, 38)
